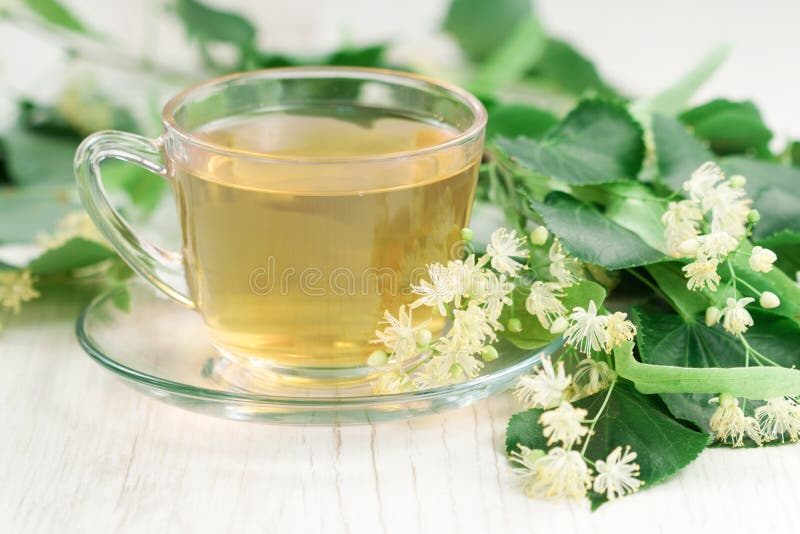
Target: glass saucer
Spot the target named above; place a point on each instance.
(162, 349)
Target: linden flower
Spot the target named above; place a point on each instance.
(715, 246)
(729, 424)
(592, 376)
(560, 474)
(588, 330)
(564, 424)
(703, 181)
(458, 351)
(392, 381)
(681, 222)
(74, 224)
(559, 325)
(761, 259)
(16, 287)
(544, 304)
(439, 292)
(735, 318)
(493, 292)
(466, 276)
(558, 265)
(526, 458)
(401, 336)
(545, 388)
(504, 245)
(729, 209)
(619, 330)
(472, 326)
(433, 373)
(779, 417)
(616, 476)
(702, 273)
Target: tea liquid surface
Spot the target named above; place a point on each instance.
(293, 262)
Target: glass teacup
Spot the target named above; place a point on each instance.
(310, 200)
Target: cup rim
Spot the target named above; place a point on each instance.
(475, 129)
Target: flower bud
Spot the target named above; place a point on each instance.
(514, 325)
(532, 455)
(688, 248)
(713, 315)
(377, 359)
(489, 353)
(761, 259)
(769, 300)
(539, 236)
(467, 234)
(738, 181)
(559, 325)
(753, 216)
(423, 337)
(727, 400)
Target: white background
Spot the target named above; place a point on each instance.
(80, 452)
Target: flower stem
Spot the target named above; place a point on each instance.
(596, 418)
(659, 292)
(749, 349)
(748, 286)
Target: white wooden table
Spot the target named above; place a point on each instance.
(80, 452)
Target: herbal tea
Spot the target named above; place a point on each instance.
(293, 264)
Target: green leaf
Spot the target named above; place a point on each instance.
(39, 157)
(479, 27)
(597, 142)
(592, 237)
(144, 188)
(121, 298)
(729, 127)
(569, 70)
(524, 429)
(665, 339)
(775, 190)
(792, 153)
(672, 282)
(775, 281)
(676, 97)
(663, 446)
(533, 334)
(207, 24)
(634, 206)
(514, 120)
(519, 51)
(678, 152)
(368, 56)
(56, 13)
(74, 254)
(26, 212)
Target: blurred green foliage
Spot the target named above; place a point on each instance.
(526, 77)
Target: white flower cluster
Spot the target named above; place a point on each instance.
(16, 287)
(472, 293)
(562, 472)
(709, 225)
(719, 207)
(74, 224)
(584, 328)
(778, 418)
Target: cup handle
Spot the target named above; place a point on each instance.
(162, 268)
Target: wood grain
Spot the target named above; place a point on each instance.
(81, 452)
